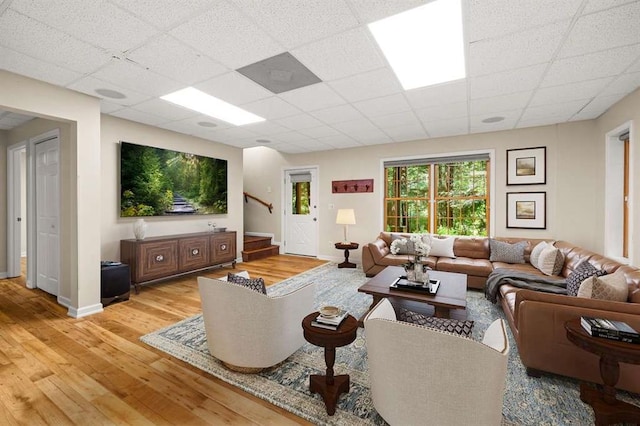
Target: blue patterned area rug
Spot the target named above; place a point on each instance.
(548, 400)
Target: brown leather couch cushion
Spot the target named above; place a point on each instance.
(465, 265)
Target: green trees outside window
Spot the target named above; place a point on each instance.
(449, 198)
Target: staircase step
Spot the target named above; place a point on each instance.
(260, 253)
(252, 242)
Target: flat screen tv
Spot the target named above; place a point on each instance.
(160, 182)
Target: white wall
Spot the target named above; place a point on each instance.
(79, 267)
(625, 111)
(113, 228)
(574, 184)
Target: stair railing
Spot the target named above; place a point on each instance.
(264, 203)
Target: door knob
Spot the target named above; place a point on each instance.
(315, 219)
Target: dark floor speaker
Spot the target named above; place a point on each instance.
(115, 282)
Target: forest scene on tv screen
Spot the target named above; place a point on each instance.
(160, 182)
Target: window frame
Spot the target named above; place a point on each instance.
(462, 155)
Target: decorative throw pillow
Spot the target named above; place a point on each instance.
(551, 260)
(609, 287)
(505, 252)
(464, 328)
(583, 271)
(535, 253)
(256, 284)
(442, 247)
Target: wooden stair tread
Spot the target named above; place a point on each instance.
(270, 247)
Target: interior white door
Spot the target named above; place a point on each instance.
(301, 212)
(16, 237)
(47, 188)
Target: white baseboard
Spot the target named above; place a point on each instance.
(85, 310)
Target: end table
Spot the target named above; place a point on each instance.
(346, 247)
(329, 386)
(606, 408)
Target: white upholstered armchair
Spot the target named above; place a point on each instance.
(426, 376)
(249, 331)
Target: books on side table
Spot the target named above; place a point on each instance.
(330, 322)
(609, 329)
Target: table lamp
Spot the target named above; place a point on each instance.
(346, 217)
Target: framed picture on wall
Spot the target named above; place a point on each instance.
(527, 210)
(527, 166)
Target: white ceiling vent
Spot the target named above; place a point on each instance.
(280, 73)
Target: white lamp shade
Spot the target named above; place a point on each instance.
(346, 217)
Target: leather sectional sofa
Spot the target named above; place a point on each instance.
(536, 319)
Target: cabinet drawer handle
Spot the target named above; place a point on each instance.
(223, 246)
(195, 252)
(159, 258)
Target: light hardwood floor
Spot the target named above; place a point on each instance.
(94, 371)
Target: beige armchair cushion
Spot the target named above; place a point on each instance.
(423, 376)
(251, 330)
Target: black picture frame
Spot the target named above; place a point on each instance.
(527, 210)
(527, 166)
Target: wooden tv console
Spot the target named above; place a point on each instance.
(156, 258)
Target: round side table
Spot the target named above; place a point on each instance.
(330, 386)
(606, 408)
(346, 247)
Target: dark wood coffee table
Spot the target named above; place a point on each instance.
(606, 408)
(329, 386)
(452, 294)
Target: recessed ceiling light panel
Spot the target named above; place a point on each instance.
(213, 107)
(425, 45)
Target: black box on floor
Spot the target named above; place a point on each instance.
(115, 283)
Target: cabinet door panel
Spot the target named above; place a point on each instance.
(158, 259)
(223, 247)
(194, 253)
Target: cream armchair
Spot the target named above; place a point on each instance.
(249, 331)
(425, 376)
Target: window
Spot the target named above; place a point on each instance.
(447, 196)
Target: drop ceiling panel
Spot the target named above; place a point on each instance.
(337, 114)
(25, 65)
(186, 66)
(597, 106)
(289, 137)
(591, 66)
(529, 47)
(604, 30)
(164, 109)
(271, 108)
(313, 145)
(40, 41)
(449, 127)
(359, 129)
(234, 88)
(440, 94)
(494, 104)
(622, 85)
(372, 10)
(341, 55)
(372, 84)
(383, 106)
(509, 122)
(495, 18)
(303, 21)
(319, 132)
(164, 13)
(339, 141)
(570, 92)
(107, 107)
(314, 97)
(597, 5)
(561, 111)
(226, 35)
(9, 120)
(406, 133)
(506, 82)
(86, 21)
(300, 121)
(137, 78)
(442, 112)
(265, 128)
(399, 119)
(89, 85)
(139, 116)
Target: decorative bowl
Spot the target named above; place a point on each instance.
(329, 311)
